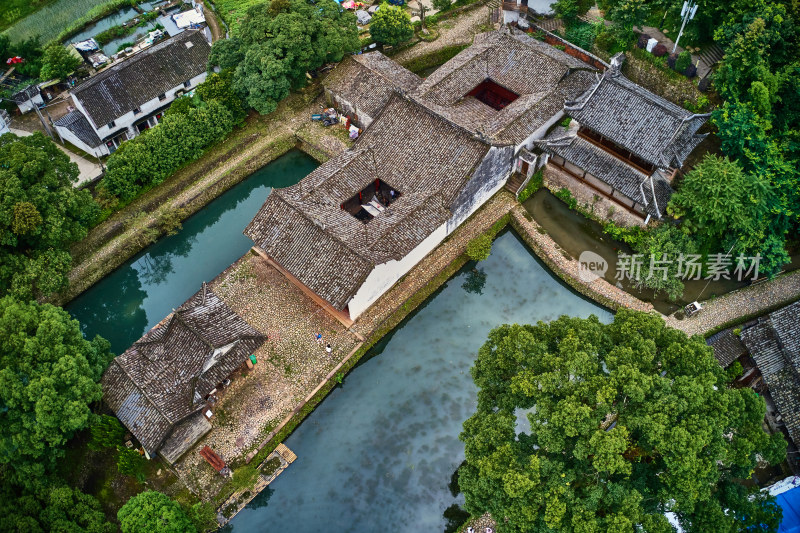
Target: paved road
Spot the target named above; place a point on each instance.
(88, 169)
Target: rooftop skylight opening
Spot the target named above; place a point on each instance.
(371, 201)
(494, 95)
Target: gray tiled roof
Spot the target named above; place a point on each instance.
(25, 94)
(165, 376)
(543, 77)
(408, 147)
(610, 169)
(77, 123)
(774, 343)
(130, 83)
(368, 80)
(649, 126)
(728, 347)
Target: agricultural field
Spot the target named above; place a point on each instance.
(233, 11)
(52, 20)
(14, 10)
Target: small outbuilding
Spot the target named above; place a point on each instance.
(159, 387)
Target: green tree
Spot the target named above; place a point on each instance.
(391, 25)
(48, 377)
(57, 62)
(629, 13)
(153, 156)
(442, 5)
(107, 432)
(203, 515)
(664, 243)
(627, 420)
(54, 508)
(479, 248)
(226, 54)
(219, 88)
(281, 40)
(724, 207)
(153, 512)
(130, 463)
(570, 10)
(41, 214)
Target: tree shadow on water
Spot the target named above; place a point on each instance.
(475, 281)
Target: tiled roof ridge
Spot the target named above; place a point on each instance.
(776, 336)
(322, 227)
(580, 102)
(426, 106)
(128, 62)
(141, 388)
(381, 74)
(615, 75)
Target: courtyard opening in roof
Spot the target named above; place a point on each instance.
(494, 95)
(371, 201)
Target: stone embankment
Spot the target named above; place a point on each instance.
(741, 305)
(566, 267)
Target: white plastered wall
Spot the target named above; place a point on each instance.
(98, 151)
(385, 275)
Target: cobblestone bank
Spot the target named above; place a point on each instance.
(741, 305)
(566, 267)
(291, 363)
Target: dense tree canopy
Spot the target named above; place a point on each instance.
(153, 512)
(723, 206)
(153, 156)
(278, 42)
(391, 25)
(41, 214)
(57, 62)
(57, 508)
(627, 421)
(48, 377)
(219, 88)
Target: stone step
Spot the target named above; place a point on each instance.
(712, 55)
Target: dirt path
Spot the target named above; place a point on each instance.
(212, 19)
(457, 30)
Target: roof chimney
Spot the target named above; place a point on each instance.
(616, 63)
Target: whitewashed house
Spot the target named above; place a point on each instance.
(5, 122)
(28, 98)
(130, 96)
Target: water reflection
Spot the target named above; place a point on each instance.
(379, 454)
(136, 296)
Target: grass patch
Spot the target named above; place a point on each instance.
(233, 11)
(534, 184)
(434, 59)
(63, 18)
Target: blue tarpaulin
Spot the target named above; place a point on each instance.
(790, 503)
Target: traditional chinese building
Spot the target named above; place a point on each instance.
(361, 85)
(625, 142)
(161, 385)
(774, 343)
(435, 151)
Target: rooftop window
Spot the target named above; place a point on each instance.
(493, 95)
(371, 201)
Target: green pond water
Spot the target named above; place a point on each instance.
(380, 451)
(135, 297)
